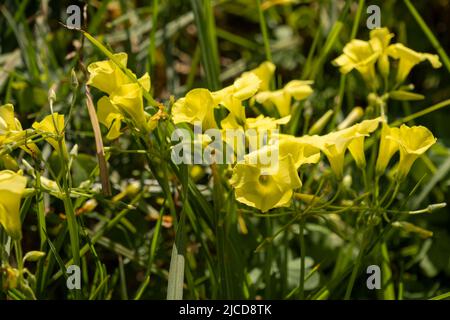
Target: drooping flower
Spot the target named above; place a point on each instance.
(408, 58)
(125, 93)
(413, 142)
(107, 76)
(197, 106)
(12, 188)
(281, 99)
(388, 147)
(359, 55)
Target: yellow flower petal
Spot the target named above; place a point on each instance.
(265, 73)
(109, 116)
(12, 187)
(128, 100)
(387, 148)
(265, 191)
(54, 125)
(197, 106)
(106, 75)
(408, 58)
(413, 142)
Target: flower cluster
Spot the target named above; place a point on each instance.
(270, 185)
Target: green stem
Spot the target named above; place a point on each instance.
(355, 271)
(152, 46)
(429, 34)
(302, 258)
(263, 25)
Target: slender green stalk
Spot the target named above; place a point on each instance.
(355, 271)
(152, 46)
(423, 112)
(263, 25)
(302, 259)
(204, 19)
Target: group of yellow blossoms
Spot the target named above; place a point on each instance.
(266, 186)
(256, 184)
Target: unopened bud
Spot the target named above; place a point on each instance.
(352, 117)
(321, 123)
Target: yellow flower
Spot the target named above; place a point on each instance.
(11, 130)
(12, 187)
(333, 145)
(265, 73)
(269, 183)
(128, 100)
(379, 41)
(302, 153)
(107, 76)
(356, 146)
(47, 126)
(197, 106)
(359, 55)
(109, 116)
(408, 58)
(281, 99)
(388, 147)
(256, 187)
(413, 142)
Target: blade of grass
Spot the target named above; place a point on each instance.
(204, 19)
(428, 33)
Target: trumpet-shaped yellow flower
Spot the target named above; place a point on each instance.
(413, 142)
(11, 130)
(334, 146)
(109, 116)
(408, 58)
(388, 147)
(359, 55)
(379, 41)
(257, 188)
(52, 124)
(265, 73)
(197, 106)
(107, 76)
(12, 187)
(356, 146)
(281, 99)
